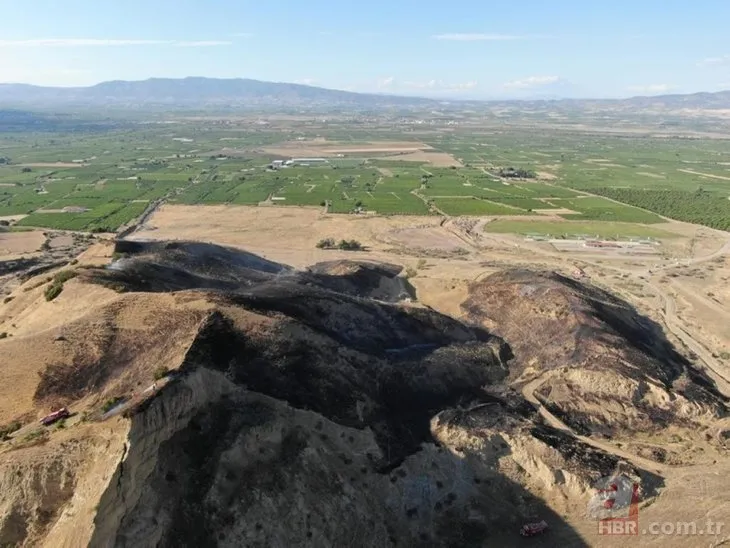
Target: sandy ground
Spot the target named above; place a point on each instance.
(328, 149)
(12, 218)
(14, 244)
(437, 159)
(290, 233)
(53, 164)
(692, 172)
(546, 176)
(703, 301)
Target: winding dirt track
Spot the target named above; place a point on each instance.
(528, 391)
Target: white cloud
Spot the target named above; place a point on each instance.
(477, 37)
(104, 42)
(202, 44)
(651, 88)
(386, 82)
(532, 82)
(306, 81)
(714, 61)
(440, 85)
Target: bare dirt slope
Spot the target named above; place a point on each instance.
(334, 381)
(290, 386)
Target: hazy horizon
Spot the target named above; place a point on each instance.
(536, 96)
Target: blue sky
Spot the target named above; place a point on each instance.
(457, 48)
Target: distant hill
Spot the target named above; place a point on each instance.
(213, 93)
(197, 93)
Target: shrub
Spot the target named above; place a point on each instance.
(6, 300)
(35, 435)
(64, 276)
(7, 429)
(327, 243)
(111, 403)
(161, 372)
(3, 335)
(53, 291)
(349, 245)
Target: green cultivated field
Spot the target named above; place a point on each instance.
(557, 229)
(473, 206)
(116, 173)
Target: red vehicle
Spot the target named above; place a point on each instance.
(56, 416)
(532, 529)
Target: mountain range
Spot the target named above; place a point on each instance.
(202, 93)
(198, 93)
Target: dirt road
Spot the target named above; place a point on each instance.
(528, 391)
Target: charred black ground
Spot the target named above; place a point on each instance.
(322, 385)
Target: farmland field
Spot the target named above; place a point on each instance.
(559, 229)
(471, 206)
(102, 180)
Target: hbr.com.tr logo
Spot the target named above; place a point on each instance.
(615, 505)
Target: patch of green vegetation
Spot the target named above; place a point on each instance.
(7, 429)
(36, 436)
(109, 404)
(53, 291)
(349, 245)
(516, 173)
(473, 206)
(523, 203)
(160, 372)
(600, 209)
(698, 207)
(123, 171)
(607, 230)
(64, 276)
(56, 287)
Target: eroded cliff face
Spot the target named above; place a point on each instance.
(243, 469)
(49, 493)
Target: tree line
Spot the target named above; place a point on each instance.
(699, 207)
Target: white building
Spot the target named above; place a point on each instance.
(306, 161)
